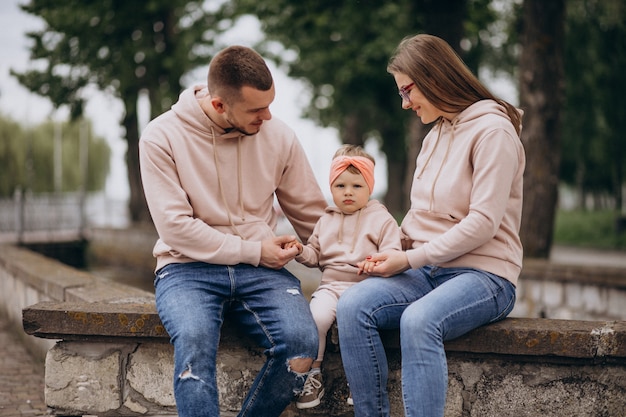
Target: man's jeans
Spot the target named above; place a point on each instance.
(430, 305)
(192, 300)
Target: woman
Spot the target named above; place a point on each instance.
(463, 253)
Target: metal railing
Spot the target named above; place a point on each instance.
(57, 216)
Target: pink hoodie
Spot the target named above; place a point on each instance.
(466, 198)
(211, 193)
(341, 240)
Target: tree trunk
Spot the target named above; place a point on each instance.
(137, 206)
(417, 131)
(443, 19)
(541, 98)
(351, 131)
(396, 198)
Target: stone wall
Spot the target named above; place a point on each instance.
(571, 292)
(108, 355)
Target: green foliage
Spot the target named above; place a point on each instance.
(342, 48)
(12, 156)
(122, 47)
(593, 229)
(27, 158)
(594, 151)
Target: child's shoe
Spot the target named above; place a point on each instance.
(312, 392)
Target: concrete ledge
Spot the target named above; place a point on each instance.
(27, 278)
(60, 282)
(571, 339)
(124, 347)
(601, 342)
(45, 275)
(93, 321)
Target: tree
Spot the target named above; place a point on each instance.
(594, 153)
(341, 50)
(124, 48)
(541, 97)
(26, 156)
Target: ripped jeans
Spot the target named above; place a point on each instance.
(192, 300)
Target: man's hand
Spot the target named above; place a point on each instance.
(277, 251)
(384, 264)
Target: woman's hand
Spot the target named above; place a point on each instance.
(384, 264)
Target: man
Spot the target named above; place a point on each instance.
(211, 169)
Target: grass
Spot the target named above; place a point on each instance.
(592, 229)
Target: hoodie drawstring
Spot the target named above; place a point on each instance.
(355, 233)
(443, 162)
(239, 183)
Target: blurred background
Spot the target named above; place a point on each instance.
(80, 79)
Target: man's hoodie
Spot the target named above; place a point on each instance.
(211, 193)
(466, 198)
(341, 240)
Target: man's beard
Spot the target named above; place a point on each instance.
(239, 129)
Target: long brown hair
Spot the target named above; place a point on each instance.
(442, 76)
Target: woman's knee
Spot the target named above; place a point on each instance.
(348, 309)
(416, 320)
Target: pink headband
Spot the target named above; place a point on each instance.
(365, 165)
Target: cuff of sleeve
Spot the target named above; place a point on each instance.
(303, 255)
(417, 257)
(250, 252)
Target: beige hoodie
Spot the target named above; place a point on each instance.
(211, 193)
(341, 240)
(466, 198)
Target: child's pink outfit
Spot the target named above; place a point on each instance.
(338, 242)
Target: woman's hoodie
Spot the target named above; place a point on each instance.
(341, 240)
(466, 198)
(211, 193)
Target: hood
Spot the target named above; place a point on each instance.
(188, 110)
(465, 121)
(478, 109)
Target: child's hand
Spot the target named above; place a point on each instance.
(292, 244)
(384, 264)
(366, 265)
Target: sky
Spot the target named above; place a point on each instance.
(105, 111)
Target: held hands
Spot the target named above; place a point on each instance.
(384, 264)
(293, 244)
(276, 252)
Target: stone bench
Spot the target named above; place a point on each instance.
(106, 352)
(114, 359)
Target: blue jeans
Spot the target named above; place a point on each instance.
(430, 305)
(192, 300)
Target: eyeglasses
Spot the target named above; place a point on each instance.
(405, 91)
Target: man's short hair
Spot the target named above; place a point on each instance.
(235, 67)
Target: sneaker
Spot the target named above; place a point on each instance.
(350, 401)
(312, 392)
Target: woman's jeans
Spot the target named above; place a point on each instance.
(430, 305)
(192, 300)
